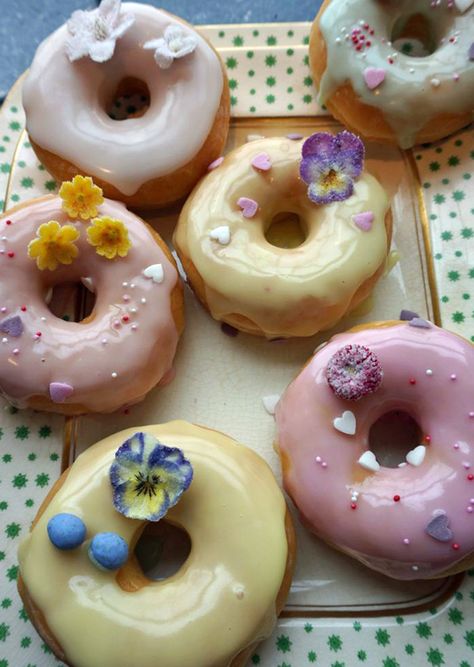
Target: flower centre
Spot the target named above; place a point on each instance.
(175, 44)
(331, 180)
(146, 484)
(100, 29)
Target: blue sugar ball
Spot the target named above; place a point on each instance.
(66, 531)
(108, 551)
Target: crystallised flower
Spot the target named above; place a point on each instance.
(330, 164)
(81, 197)
(109, 236)
(54, 245)
(175, 43)
(148, 478)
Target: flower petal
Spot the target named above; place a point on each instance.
(321, 145)
(311, 168)
(319, 194)
(163, 56)
(127, 19)
(102, 51)
(351, 151)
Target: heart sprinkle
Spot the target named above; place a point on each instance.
(270, 403)
(419, 323)
(346, 423)
(249, 207)
(294, 136)
(416, 456)
(155, 272)
(216, 163)
(221, 234)
(369, 462)
(60, 391)
(373, 77)
(407, 315)
(471, 52)
(364, 220)
(438, 528)
(262, 162)
(463, 5)
(353, 372)
(13, 326)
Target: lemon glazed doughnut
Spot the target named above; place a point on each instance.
(126, 345)
(107, 55)
(265, 285)
(223, 600)
(414, 521)
(396, 71)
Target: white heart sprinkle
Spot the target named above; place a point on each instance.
(155, 272)
(254, 137)
(346, 423)
(270, 403)
(221, 234)
(416, 456)
(463, 5)
(369, 462)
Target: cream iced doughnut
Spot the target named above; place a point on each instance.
(221, 602)
(414, 521)
(251, 271)
(399, 72)
(154, 157)
(126, 345)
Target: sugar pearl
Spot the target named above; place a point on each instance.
(429, 372)
(114, 375)
(406, 540)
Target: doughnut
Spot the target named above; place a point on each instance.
(248, 266)
(395, 72)
(223, 600)
(413, 521)
(126, 345)
(155, 156)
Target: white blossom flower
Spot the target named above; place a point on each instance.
(94, 33)
(176, 43)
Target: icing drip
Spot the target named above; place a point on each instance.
(411, 90)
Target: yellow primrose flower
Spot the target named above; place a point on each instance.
(54, 245)
(81, 197)
(109, 236)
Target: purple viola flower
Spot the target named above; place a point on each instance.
(148, 478)
(330, 164)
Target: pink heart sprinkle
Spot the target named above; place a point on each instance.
(217, 163)
(248, 206)
(60, 391)
(374, 76)
(364, 220)
(262, 162)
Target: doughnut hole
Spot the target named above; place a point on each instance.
(72, 301)
(161, 550)
(286, 230)
(131, 99)
(416, 36)
(392, 436)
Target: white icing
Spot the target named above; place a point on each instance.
(65, 104)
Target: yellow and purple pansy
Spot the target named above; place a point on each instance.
(148, 478)
(329, 165)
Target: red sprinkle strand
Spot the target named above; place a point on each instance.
(353, 506)
(396, 498)
(455, 546)
(8, 222)
(470, 477)
(10, 253)
(427, 439)
(412, 381)
(23, 308)
(125, 318)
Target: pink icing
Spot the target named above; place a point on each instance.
(112, 360)
(386, 526)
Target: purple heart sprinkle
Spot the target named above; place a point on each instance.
(438, 528)
(373, 77)
(364, 220)
(471, 51)
(294, 136)
(216, 163)
(420, 323)
(13, 326)
(60, 391)
(406, 315)
(249, 207)
(262, 162)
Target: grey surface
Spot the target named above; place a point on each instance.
(25, 23)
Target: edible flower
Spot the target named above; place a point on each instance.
(94, 33)
(81, 197)
(330, 164)
(54, 245)
(148, 478)
(175, 43)
(109, 236)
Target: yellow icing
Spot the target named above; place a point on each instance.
(220, 601)
(268, 284)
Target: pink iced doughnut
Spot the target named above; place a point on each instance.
(414, 521)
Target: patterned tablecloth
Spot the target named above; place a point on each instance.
(268, 71)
